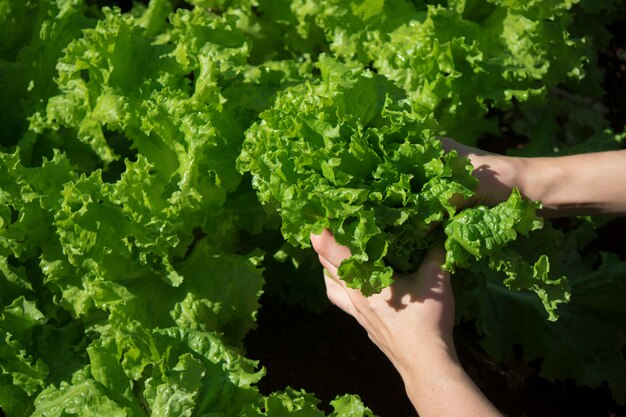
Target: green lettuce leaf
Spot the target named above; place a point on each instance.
(345, 153)
(133, 145)
(477, 233)
(348, 153)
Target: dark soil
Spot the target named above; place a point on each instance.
(326, 354)
(613, 62)
(330, 354)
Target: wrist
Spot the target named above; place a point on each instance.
(527, 184)
(438, 386)
(500, 174)
(539, 179)
(497, 175)
(426, 358)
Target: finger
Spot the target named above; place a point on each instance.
(434, 257)
(329, 267)
(432, 262)
(431, 277)
(334, 274)
(356, 297)
(331, 254)
(448, 144)
(337, 294)
(327, 247)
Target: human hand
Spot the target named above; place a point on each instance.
(409, 321)
(573, 185)
(497, 175)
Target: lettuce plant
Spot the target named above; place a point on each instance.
(348, 153)
(147, 157)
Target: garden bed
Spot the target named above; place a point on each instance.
(328, 353)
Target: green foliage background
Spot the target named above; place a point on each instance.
(149, 159)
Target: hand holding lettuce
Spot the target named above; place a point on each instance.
(583, 184)
(349, 153)
(411, 322)
(131, 238)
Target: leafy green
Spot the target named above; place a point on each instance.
(148, 160)
(341, 153)
(585, 343)
(478, 233)
(125, 287)
(349, 154)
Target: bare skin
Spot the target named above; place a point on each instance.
(585, 184)
(412, 321)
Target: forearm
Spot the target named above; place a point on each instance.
(585, 184)
(411, 322)
(437, 386)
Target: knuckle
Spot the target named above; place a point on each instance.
(320, 243)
